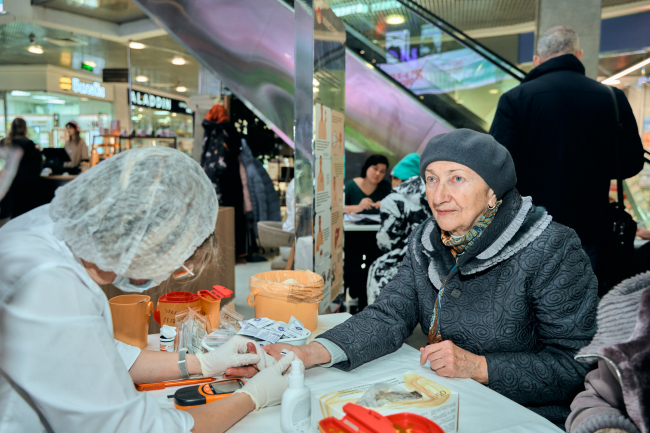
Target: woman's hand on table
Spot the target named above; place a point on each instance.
(310, 354)
(449, 360)
(365, 204)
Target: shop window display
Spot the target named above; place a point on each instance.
(46, 115)
(152, 122)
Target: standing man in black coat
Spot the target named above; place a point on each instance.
(559, 127)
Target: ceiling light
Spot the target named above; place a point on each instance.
(395, 20)
(181, 89)
(613, 78)
(173, 114)
(316, 83)
(362, 52)
(287, 55)
(35, 49)
(161, 112)
(140, 109)
(140, 116)
(41, 97)
(55, 101)
(421, 97)
(370, 66)
(141, 79)
(610, 81)
(84, 99)
(19, 93)
(136, 45)
(493, 91)
(178, 61)
(89, 63)
(136, 118)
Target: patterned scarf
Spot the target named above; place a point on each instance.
(458, 245)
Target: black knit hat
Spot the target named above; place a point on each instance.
(478, 151)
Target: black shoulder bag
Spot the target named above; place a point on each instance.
(616, 258)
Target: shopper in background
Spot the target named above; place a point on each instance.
(75, 146)
(401, 212)
(22, 195)
(364, 194)
(616, 398)
(560, 128)
(405, 169)
(220, 161)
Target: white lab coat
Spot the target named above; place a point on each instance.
(60, 369)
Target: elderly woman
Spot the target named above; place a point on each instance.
(505, 295)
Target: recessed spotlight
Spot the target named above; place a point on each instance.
(362, 52)
(421, 97)
(374, 61)
(136, 45)
(178, 61)
(395, 20)
(140, 109)
(181, 89)
(35, 49)
(141, 79)
(140, 116)
(493, 91)
(173, 114)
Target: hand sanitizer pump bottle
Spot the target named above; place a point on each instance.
(296, 402)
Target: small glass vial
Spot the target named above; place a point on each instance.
(167, 337)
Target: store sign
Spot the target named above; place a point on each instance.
(95, 89)
(142, 99)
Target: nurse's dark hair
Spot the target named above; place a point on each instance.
(18, 129)
(373, 160)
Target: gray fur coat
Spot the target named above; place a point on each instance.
(523, 295)
(617, 392)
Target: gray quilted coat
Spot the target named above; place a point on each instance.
(523, 295)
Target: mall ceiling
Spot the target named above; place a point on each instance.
(153, 62)
(115, 11)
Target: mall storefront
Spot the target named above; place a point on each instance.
(48, 97)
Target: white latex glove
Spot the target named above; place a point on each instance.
(266, 360)
(267, 386)
(232, 354)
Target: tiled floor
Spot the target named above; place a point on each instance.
(243, 274)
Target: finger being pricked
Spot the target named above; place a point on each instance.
(247, 371)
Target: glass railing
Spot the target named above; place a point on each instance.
(449, 72)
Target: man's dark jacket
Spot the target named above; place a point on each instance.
(559, 127)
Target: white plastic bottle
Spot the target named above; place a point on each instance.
(296, 402)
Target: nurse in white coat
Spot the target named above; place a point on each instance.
(132, 220)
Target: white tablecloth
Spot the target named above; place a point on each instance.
(481, 409)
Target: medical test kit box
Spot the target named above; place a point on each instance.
(417, 394)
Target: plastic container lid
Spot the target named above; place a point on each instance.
(359, 419)
(178, 297)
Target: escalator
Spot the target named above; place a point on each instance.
(409, 74)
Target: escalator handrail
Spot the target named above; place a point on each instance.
(463, 38)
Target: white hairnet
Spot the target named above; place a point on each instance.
(139, 214)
